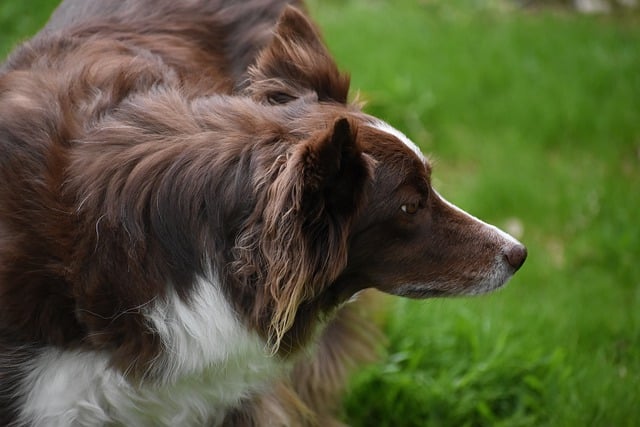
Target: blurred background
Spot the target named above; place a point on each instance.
(530, 111)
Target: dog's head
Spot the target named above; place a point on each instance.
(352, 206)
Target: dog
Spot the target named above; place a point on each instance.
(191, 211)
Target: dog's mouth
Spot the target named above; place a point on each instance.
(417, 291)
(478, 285)
(428, 293)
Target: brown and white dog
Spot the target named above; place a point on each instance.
(189, 207)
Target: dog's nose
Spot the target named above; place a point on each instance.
(516, 255)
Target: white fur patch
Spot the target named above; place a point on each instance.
(211, 361)
(386, 127)
(65, 388)
(199, 333)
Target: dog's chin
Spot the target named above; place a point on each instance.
(443, 290)
(416, 291)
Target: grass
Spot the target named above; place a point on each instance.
(21, 19)
(533, 122)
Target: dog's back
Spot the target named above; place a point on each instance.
(239, 29)
(123, 47)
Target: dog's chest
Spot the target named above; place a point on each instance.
(79, 388)
(210, 363)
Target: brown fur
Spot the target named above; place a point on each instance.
(94, 197)
(145, 143)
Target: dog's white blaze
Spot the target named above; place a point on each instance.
(499, 273)
(386, 127)
(490, 229)
(210, 362)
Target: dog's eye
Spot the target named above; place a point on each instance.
(410, 208)
(278, 98)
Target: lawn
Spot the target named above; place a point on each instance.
(532, 118)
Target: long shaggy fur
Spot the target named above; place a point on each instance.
(191, 212)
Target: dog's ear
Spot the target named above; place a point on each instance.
(295, 64)
(310, 208)
(331, 170)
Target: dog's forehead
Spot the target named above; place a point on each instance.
(400, 146)
(398, 159)
(387, 128)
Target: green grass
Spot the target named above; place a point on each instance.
(21, 19)
(533, 119)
